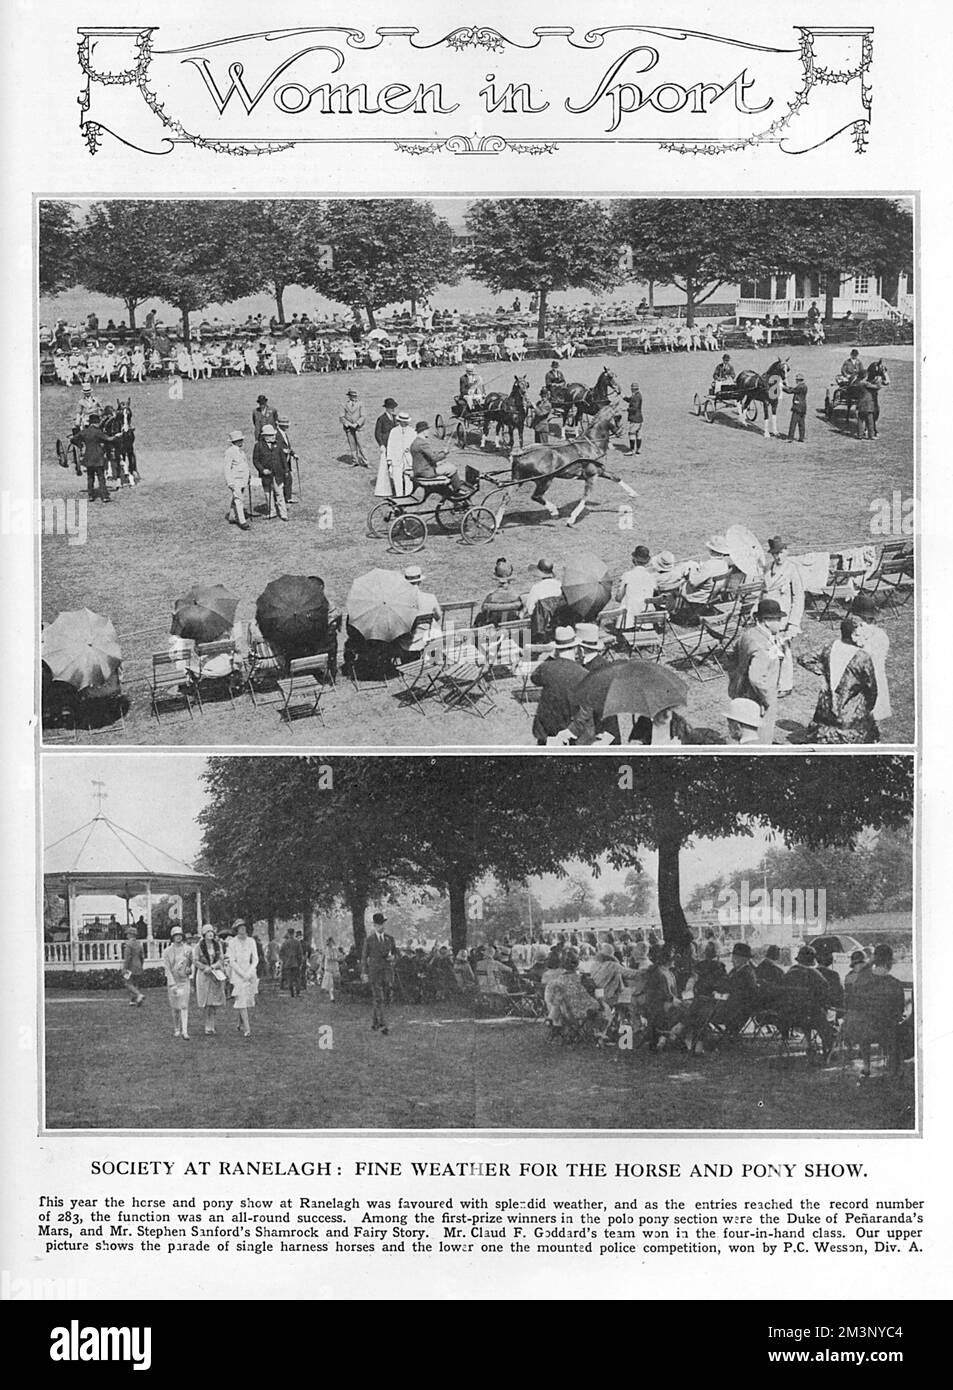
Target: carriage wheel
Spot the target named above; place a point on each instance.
(460, 434)
(449, 514)
(379, 519)
(439, 426)
(495, 501)
(708, 409)
(696, 404)
(61, 458)
(479, 526)
(828, 409)
(751, 412)
(408, 532)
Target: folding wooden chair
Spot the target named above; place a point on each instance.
(512, 642)
(421, 677)
(644, 634)
(302, 690)
(262, 662)
(716, 635)
(893, 578)
(844, 583)
(465, 683)
(531, 658)
(208, 652)
(171, 680)
(458, 614)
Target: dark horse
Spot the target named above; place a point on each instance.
(507, 412)
(121, 449)
(752, 386)
(576, 400)
(583, 457)
(875, 375)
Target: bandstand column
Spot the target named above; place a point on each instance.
(72, 911)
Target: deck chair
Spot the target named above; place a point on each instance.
(263, 662)
(644, 634)
(703, 649)
(512, 642)
(302, 690)
(465, 683)
(171, 680)
(531, 659)
(844, 583)
(892, 583)
(225, 656)
(421, 677)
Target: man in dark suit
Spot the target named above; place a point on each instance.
(557, 676)
(292, 959)
(377, 967)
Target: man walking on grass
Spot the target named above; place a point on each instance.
(377, 968)
(353, 421)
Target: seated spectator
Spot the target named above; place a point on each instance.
(825, 968)
(463, 973)
(743, 992)
(770, 974)
(804, 999)
(607, 976)
(543, 601)
(571, 1004)
(490, 974)
(441, 975)
(875, 1008)
(636, 586)
(858, 964)
(502, 604)
(658, 997)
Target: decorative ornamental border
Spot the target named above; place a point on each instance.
(493, 41)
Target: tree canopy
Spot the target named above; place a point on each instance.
(57, 240)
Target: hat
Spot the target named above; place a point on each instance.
(422, 425)
(799, 377)
(858, 958)
(378, 919)
(554, 364)
(390, 403)
(236, 437)
(413, 574)
(741, 948)
(503, 569)
(747, 712)
(239, 922)
(176, 929)
(262, 400)
(587, 635)
(883, 954)
(87, 386)
(776, 545)
(268, 429)
(542, 566)
(565, 639)
(664, 560)
(403, 417)
(718, 545)
(641, 555)
(769, 608)
(806, 956)
(283, 420)
(208, 928)
(351, 391)
(864, 606)
(131, 927)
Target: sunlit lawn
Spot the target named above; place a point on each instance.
(692, 479)
(111, 1066)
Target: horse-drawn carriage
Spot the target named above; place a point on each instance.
(729, 397)
(743, 396)
(406, 521)
(842, 393)
(120, 449)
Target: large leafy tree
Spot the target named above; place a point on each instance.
(282, 240)
(847, 236)
(383, 250)
(57, 244)
(116, 252)
(542, 245)
(697, 244)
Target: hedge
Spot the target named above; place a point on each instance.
(150, 978)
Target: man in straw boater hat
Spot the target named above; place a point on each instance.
(757, 669)
(377, 968)
(270, 466)
(237, 478)
(744, 721)
(558, 676)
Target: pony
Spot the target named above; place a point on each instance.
(583, 457)
(121, 449)
(766, 389)
(576, 399)
(507, 412)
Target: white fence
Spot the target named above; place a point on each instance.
(92, 955)
(870, 306)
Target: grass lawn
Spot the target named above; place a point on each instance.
(110, 1066)
(692, 479)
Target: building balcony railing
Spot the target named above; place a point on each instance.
(91, 955)
(869, 306)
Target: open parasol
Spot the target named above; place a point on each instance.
(382, 606)
(745, 551)
(292, 613)
(81, 648)
(586, 587)
(205, 613)
(642, 687)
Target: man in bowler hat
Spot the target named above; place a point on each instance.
(377, 968)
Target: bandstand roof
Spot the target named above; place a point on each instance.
(102, 853)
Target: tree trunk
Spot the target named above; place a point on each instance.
(413, 307)
(541, 315)
(890, 287)
(358, 913)
(689, 300)
(458, 913)
(131, 312)
(675, 929)
(369, 311)
(271, 928)
(186, 335)
(831, 286)
(280, 301)
(651, 294)
(307, 915)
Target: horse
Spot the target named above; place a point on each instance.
(583, 457)
(576, 399)
(121, 449)
(751, 386)
(507, 412)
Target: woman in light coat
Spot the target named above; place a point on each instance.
(331, 968)
(177, 964)
(241, 957)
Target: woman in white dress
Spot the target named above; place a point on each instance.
(241, 956)
(398, 455)
(177, 964)
(875, 642)
(331, 968)
(209, 961)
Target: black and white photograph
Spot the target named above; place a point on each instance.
(677, 943)
(413, 472)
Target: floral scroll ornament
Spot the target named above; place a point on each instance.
(466, 144)
(813, 75)
(137, 76)
(476, 36)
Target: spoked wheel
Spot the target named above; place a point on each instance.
(495, 501)
(751, 412)
(61, 458)
(696, 404)
(379, 519)
(828, 412)
(708, 408)
(479, 526)
(460, 435)
(439, 426)
(408, 532)
(449, 513)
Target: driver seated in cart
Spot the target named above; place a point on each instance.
(429, 462)
(472, 389)
(724, 375)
